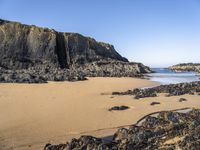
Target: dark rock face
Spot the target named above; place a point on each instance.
(152, 133)
(186, 67)
(118, 108)
(39, 51)
(171, 90)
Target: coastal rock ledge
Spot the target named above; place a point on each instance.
(186, 67)
(33, 54)
(165, 130)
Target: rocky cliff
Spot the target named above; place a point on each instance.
(186, 67)
(34, 54)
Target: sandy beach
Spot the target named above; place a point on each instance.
(34, 114)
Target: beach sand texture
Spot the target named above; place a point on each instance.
(34, 114)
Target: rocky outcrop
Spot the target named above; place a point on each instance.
(166, 130)
(170, 90)
(46, 53)
(186, 67)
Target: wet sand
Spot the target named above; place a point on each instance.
(34, 114)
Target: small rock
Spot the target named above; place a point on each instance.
(182, 100)
(154, 103)
(113, 93)
(118, 108)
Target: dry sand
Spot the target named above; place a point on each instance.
(32, 115)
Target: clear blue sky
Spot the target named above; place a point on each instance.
(155, 32)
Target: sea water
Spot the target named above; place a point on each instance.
(166, 76)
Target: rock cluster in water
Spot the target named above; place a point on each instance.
(168, 130)
(33, 55)
(170, 90)
(186, 67)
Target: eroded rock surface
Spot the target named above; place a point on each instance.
(33, 54)
(168, 130)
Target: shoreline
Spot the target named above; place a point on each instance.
(58, 111)
(32, 113)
